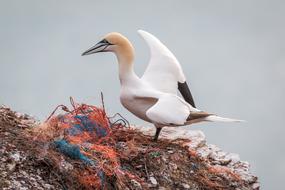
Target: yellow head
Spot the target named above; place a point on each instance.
(113, 42)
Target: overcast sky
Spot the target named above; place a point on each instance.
(232, 53)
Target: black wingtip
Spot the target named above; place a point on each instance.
(185, 92)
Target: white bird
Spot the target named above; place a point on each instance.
(153, 97)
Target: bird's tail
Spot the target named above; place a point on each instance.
(200, 116)
(221, 119)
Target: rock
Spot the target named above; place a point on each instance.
(48, 186)
(185, 186)
(14, 151)
(233, 157)
(255, 186)
(213, 154)
(32, 172)
(173, 166)
(11, 167)
(65, 166)
(153, 181)
(15, 157)
(136, 184)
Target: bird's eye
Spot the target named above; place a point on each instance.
(104, 41)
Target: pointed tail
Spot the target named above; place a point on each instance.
(221, 119)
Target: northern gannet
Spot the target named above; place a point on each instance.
(153, 97)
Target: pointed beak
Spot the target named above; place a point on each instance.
(99, 47)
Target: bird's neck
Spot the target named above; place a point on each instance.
(125, 58)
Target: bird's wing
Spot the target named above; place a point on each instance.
(164, 72)
(169, 110)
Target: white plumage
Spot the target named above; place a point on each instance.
(163, 71)
(153, 97)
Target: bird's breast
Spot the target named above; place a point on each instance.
(137, 105)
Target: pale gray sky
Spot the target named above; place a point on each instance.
(232, 52)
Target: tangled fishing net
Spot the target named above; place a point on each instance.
(99, 152)
(85, 133)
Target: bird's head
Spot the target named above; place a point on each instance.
(112, 42)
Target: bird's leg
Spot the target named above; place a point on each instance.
(158, 129)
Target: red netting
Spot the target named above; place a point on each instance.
(108, 155)
(85, 133)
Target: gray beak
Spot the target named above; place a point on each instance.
(99, 47)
